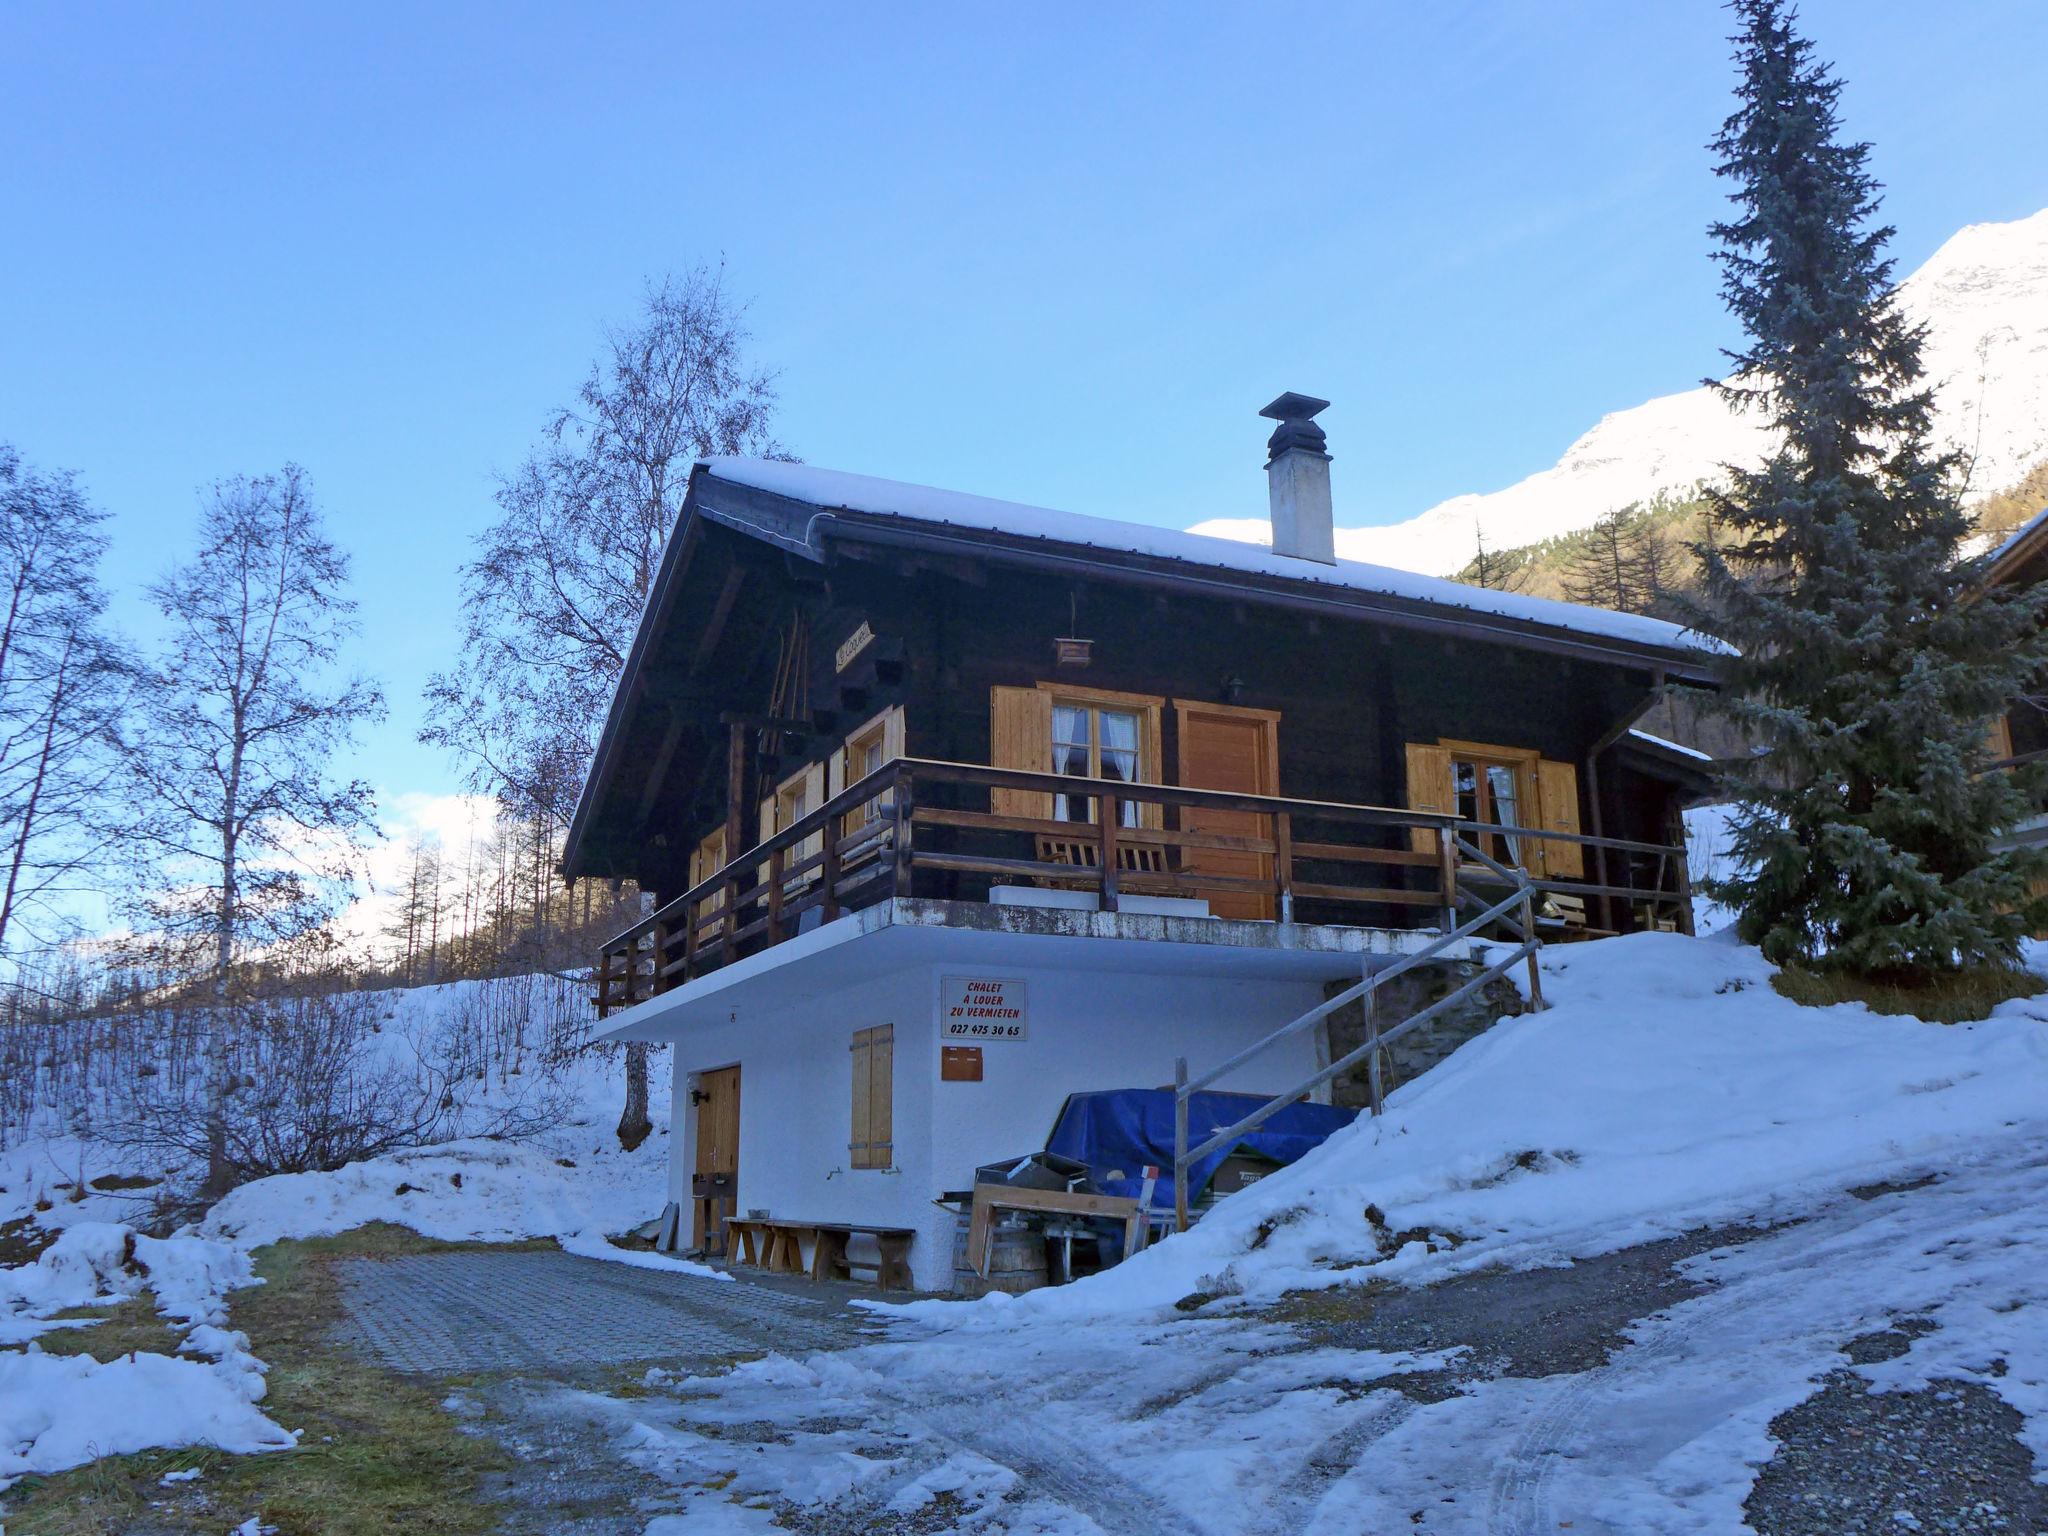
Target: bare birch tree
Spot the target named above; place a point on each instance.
(552, 599)
(60, 688)
(248, 835)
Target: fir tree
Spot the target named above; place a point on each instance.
(1871, 662)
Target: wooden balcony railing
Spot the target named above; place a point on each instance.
(926, 828)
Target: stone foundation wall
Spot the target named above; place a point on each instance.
(1415, 1053)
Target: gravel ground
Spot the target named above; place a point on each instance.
(1531, 1322)
(1853, 1461)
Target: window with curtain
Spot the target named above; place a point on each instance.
(1490, 792)
(1092, 741)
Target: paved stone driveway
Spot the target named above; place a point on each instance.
(447, 1313)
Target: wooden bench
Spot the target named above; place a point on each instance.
(776, 1244)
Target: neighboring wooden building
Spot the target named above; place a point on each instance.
(874, 738)
(2021, 733)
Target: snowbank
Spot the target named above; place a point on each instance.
(63, 1411)
(473, 1191)
(1667, 1088)
(57, 1412)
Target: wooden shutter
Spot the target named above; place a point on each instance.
(1998, 741)
(881, 1095)
(1557, 802)
(1429, 787)
(871, 1144)
(769, 808)
(1020, 736)
(893, 734)
(816, 793)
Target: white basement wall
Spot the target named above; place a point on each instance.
(1084, 1030)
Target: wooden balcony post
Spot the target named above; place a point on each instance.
(775, 864)
(656, 983)
(1447, 874)
(1106, 830)
(1684, 872)
(1600, 849)
(1283, 862)
(830, 872)
(900, 804)
(692, 915)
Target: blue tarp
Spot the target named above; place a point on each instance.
(1120, 1131)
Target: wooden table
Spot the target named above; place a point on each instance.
(991, 1198)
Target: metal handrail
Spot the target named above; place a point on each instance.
(1366, 992)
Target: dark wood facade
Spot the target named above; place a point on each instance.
(789, 649)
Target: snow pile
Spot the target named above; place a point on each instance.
(1984, 299)
(56, 1412)
(1668, 1087)
(472, 1191)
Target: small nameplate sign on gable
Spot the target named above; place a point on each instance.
(981, 1008)
(852, 646)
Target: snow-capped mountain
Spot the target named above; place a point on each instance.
(1984, 298)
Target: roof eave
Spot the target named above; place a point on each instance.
(675, 557)
(1410, 613)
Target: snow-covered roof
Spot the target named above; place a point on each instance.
(2014, 541)
(868, 495)
(1670, 746)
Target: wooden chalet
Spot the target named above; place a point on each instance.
(876, 736)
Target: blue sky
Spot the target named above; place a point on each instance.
(1056, 253)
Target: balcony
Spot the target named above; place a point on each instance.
(917, 828)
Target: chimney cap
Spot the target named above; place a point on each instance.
(1295, 407)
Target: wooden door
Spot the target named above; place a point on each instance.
(1224, 747)
(715, 1177)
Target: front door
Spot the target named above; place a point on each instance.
(715, 1178)
(1224, 747)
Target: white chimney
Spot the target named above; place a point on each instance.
(1298, 480)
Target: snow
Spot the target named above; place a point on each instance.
(1668, 1089)
(835, 489)
(58, 1411)
(1709, 855)
(1671, 746)
(570, 1181)
(1984, 299)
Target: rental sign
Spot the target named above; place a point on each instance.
(981, 1008)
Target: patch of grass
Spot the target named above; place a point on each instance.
(22, 1241)
(1959, 999)
(114, 1183)
(376, 1452)
(123, 1327)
